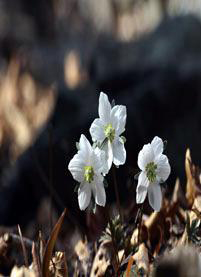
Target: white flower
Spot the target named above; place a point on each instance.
(106, 130)
(155, 169)
(87, 168)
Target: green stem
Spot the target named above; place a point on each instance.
(117, 194)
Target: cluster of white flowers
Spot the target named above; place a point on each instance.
(92, 163)
(106, 131)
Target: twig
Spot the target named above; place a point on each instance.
(36, 263)
(23, 247)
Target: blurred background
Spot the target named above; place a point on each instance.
(55, 58)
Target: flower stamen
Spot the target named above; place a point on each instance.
(109, 132)
(151, 171)
(88, 173)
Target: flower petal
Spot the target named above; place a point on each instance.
(85, 146)
(141, 191)
(84, 195)
(157, 146)
(99, 193)
(104, 108)
(99, 161)
(118, 119)
(97, 130)
(76, 167)
(108, 155)
(119, 152)
(163, 167)
(145, 156)
(155, 196)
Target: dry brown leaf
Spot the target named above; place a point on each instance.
(129, 266)
(58, 266)
(23, 247)
(22, 272)
(134, 238)
(175, 195)
(159, 244)
(141, 259)
(152, 223)
(190, 186)
(144, 235)
(36, 263)
(83, 254)
(50, 245)
(103, 259)
(184, 238)
(197, 204)
(41, 246)
(193, 214)
(178, 197)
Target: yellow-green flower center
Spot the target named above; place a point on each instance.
(88, 173)
(151, 171)
(109, 132)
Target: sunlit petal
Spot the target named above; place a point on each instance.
(97, 130)
(104, 108)
(163, 167)
(84, 196)
(118, 119)
(142, 186)
(155, 196)
(157, 146)
(145, 156)
(119, 152)
(99, 193)
(76, 167)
